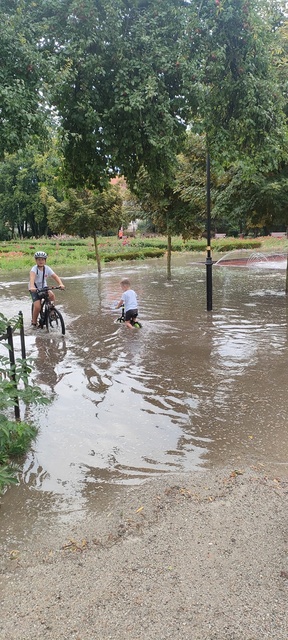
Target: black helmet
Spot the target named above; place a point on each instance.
(40, 254)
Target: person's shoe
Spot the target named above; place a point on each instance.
(33, 325)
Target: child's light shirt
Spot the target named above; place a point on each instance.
(40, 276)
(130, 300)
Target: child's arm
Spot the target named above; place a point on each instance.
(58, 280)
(119, 304)
(32, 282)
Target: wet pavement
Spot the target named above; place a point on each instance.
(190, 390)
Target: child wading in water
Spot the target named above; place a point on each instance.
(129, 299)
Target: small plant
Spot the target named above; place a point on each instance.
(15, 439)
(15, 436)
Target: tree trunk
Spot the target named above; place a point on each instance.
(169, 253)
(97, 252)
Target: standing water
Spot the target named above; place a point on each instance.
(190, 390)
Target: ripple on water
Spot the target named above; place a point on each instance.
(188, 390)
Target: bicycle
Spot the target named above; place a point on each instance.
(135, 323)
(49, 316)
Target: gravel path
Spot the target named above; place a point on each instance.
(200, 556)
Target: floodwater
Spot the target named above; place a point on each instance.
(190, 390)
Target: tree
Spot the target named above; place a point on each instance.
(19, 204)
(190, 186)
(253, 202)
(178, 207)
(240, 104)
(22, 115)
(119, 91)
(279, 46)
(253, 192)
(26, 178)
(87, 213)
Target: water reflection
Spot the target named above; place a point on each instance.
(188, 391)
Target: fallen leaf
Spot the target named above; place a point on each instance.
(236, 472)
(73, 545)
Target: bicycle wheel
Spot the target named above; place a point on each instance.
(56, 320)
(46, 316)
(43, 318)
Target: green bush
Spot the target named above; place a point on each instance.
(229, 244)
(153, 243)
(129, 255)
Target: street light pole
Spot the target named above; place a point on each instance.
(208, 254)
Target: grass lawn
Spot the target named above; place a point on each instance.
(63, 250)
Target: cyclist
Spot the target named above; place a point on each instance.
(38, 280)
(129, 299)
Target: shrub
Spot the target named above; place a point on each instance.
(231, 244)
(131, 254)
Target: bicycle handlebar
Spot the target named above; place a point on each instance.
(44, 289)
(48, 288)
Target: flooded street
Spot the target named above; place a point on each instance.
(190, 390)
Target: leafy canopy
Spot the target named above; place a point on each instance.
(21, 78)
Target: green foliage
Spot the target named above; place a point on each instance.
(20, 254)
(157, 247)
(130, 254)
(125, 79)
(131, 76)
(13, 323)
(178, 206)
(15, 437)
(27, 178)
(85, 212)
(7, 475)
(119, 90)
(60, 252)
(229, 244)
(240, 103)
(22, 115)
(252, 200)
(28, 393)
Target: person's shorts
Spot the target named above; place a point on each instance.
(34, 296)
(131, 313)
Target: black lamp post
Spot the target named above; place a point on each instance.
(208, 254)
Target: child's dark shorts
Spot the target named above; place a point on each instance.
(34, 295)
(132, 313)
